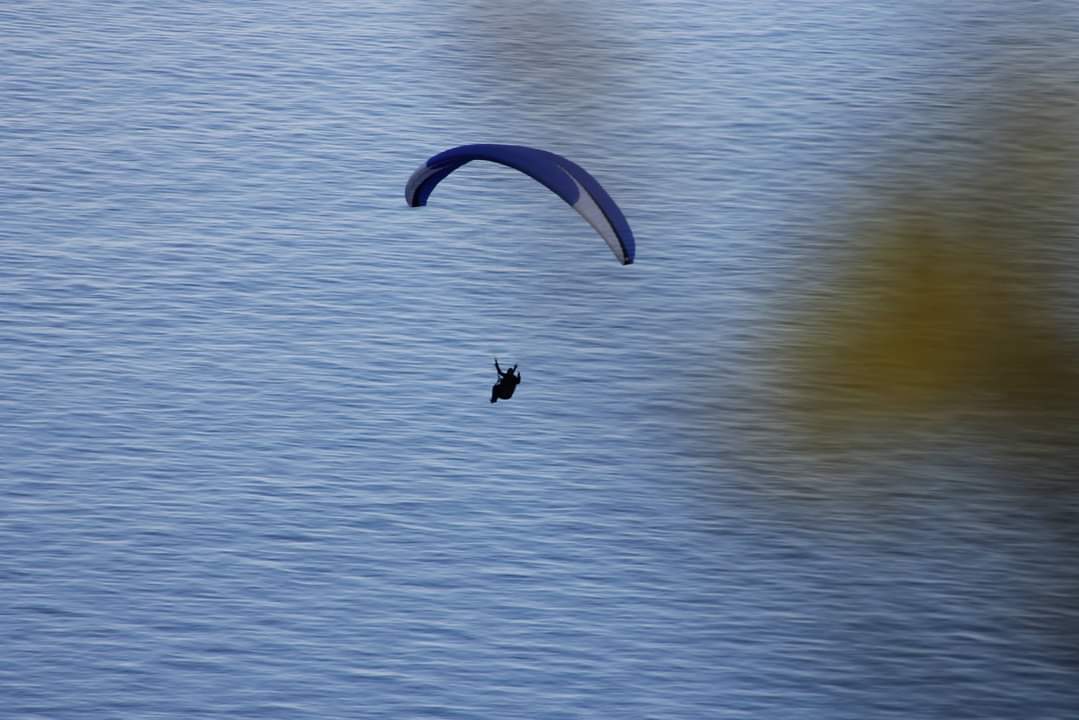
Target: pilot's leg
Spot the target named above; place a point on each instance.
(494, 388)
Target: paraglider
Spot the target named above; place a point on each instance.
(563, 177)
(508, 380)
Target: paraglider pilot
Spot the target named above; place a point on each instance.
(507, 383)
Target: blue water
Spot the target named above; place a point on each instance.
(248, 468)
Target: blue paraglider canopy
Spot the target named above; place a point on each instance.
(563, 177)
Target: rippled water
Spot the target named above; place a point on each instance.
(249, 468)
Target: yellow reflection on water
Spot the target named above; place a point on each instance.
(948, 304)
